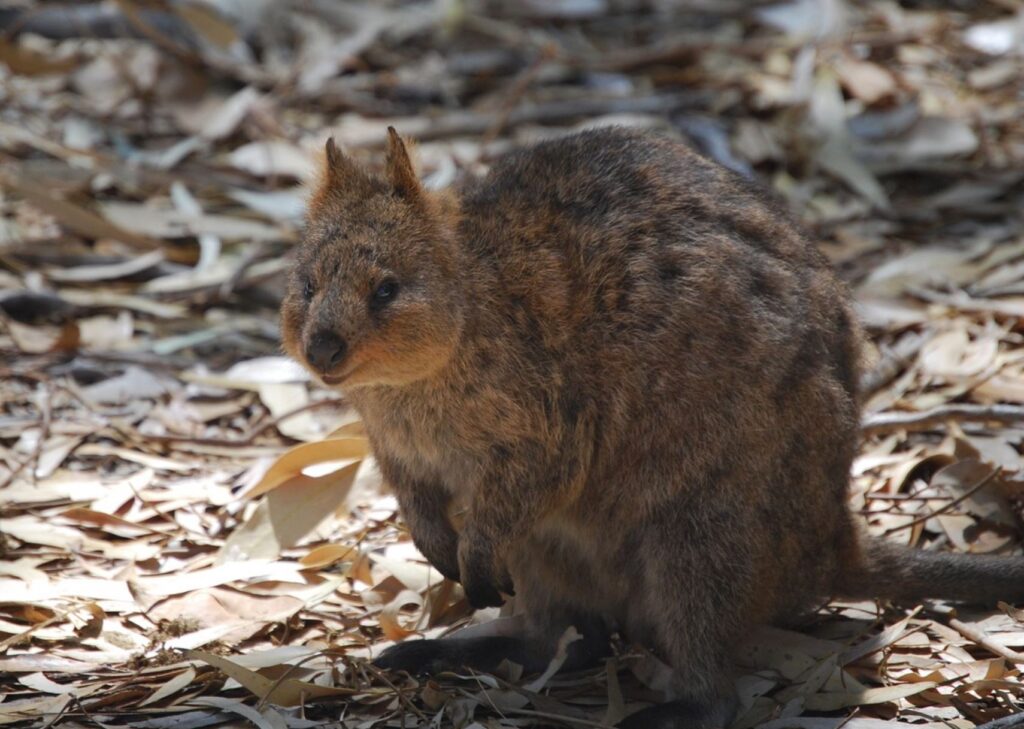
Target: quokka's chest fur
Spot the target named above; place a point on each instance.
(442, 435)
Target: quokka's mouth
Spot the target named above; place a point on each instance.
(336, 379)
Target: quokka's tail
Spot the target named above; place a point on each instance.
(906, 574)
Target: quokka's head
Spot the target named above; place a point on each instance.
(374, 297)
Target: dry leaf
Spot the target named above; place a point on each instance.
(867, 81)
(291, 510)
(274, 158)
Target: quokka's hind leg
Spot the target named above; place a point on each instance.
(546, 618)
(693, 609)
(484, 653)
(553, 591)
(703, 694)
(533, 649)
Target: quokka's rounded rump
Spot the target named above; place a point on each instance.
(631, 374)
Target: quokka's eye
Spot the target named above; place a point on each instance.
(385, 292)
(307, 290)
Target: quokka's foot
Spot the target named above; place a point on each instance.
(426, 657)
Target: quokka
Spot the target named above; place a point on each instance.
(638, 379)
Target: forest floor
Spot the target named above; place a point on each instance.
(192, 534)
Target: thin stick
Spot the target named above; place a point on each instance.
(407, 704)
(955, 502)
(37, 452)
(472, 123)
(518, 89)
(985, 641)
(559, 717)
(134, 436)
(251, 435)
(904, 497)
(888, 422)
(894, 359)
(975, 635)
(1007, 722)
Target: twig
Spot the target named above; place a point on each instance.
(559, 717)
(475, 123)
(27, 633)
(15, 471)
(249, 258)
(131, 434)
(156, 509)
(74, 217)
(248, 437)
(691, 46)
(285, 675)
(946, 507)
(848, 719)
(984, 641)
(517, 90)
(151, 31)
(904, 497)
(973, 634)
(527, 693)
(46, 415)
(483, 692)
(1007, 722)
(46, 408)
(894, 359)
(888, 422)
(399, 693)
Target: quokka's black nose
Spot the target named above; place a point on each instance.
(325, 350)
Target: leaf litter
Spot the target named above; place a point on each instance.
(192, 534)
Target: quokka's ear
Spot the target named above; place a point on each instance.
(338, 166)
(400, 171)
(334, 156)
(342, 176)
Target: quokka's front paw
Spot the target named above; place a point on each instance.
(441, 548)
(483, 580)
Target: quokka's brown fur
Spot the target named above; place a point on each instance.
(634, 374)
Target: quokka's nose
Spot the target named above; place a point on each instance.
(325, 350)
